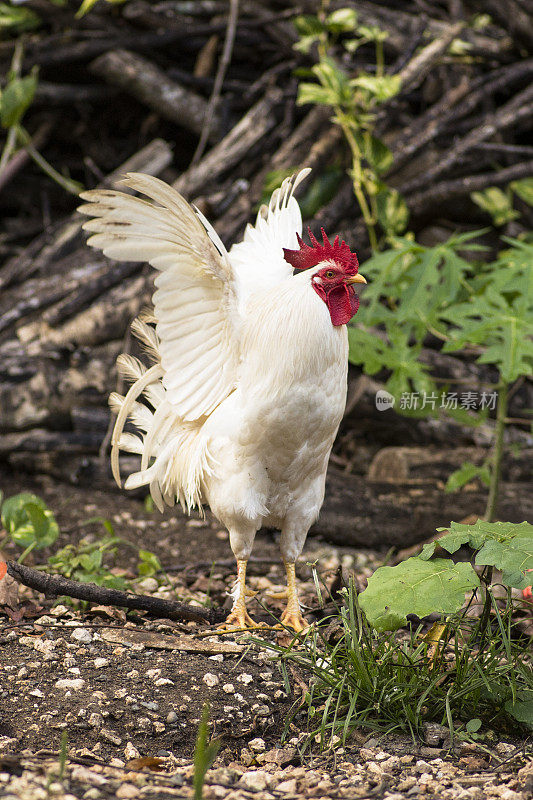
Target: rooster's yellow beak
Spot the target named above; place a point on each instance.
(356, 279)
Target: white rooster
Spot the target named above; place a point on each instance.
(249, 382)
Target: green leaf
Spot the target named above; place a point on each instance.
(416, 587)
(308, 25)
(149, 563)
(496, 203)
(465, 474)
(507, 546)
(381, 88)
(513, 557)
(28, 521)
(375, 152)
(524, 190)
(521, 710)
(314, 94)
(16, 98)
(393, 214)
(343, 20)
(473, 725)
(17, 19)
(85, 7)
(372, 33)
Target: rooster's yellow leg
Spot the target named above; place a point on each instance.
(238, 617)
(292, 616)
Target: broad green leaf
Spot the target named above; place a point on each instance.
(16, 98)
(416, 587)
(479, 532)
(513, 557)
(473, 725)
(28, 521)
(521, 710)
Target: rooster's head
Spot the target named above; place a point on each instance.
(333, 275)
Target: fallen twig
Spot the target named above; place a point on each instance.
(449, 190)
(57, 585)
(219, 80)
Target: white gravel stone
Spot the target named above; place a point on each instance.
(70, 683)
(257, 745)
(153, 673)
(256, 781)
(164, 682)
(131, 752)
(228, 688)
(245, 678)
(82, 635)
(210, 680)
(100, 663)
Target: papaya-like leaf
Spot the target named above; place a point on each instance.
(416, 586)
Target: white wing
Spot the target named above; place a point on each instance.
(195, 303)
(258, 261)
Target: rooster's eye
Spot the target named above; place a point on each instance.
(330, 274)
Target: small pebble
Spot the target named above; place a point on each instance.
(257, 745)
(82, 635)
(70, 683)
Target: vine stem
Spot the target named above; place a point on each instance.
(501, 415)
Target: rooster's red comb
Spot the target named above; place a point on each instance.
(308, 256)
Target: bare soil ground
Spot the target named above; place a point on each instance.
(128, 688)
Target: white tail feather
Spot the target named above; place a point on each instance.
(176, 448)
(151, 375)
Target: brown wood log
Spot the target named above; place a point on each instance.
(149, 84)
(245, 135)
(400, 514)
(60, 238)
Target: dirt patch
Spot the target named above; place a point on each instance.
(124, 688)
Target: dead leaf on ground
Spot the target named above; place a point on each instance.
(9, 588)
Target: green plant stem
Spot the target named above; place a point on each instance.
(495, 474)
(487, 603)
(9, 146)
(343, 121)
(357, 176)
(380, 61)
(25, 141)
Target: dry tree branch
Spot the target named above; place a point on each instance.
(219, 80)
(57, 585)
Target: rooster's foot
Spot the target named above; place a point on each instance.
(293, 618)
(238, 619)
